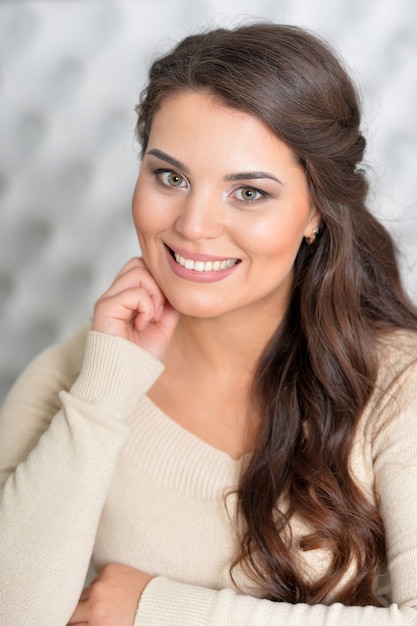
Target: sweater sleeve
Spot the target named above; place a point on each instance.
(393, 427)
(55, 483)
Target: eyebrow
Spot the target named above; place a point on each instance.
(251, 175)
(169, 159)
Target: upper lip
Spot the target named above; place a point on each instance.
(197, 256)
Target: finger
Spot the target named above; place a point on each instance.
(134, 275)
(80, 615)
(134, 304)
(136, 263)
(133, 262)
(137, 276)
(85, 594)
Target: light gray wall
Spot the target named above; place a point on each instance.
(70, 74)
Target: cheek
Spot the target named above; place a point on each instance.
(150, 212)
(273, 246)
(275, 238)
(141, 213)
(136, 203)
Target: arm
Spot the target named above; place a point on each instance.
(51, 503)
(393, 433)
(169, 603)
(57, 458)
(390, 441)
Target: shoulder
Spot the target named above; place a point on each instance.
(397, 357)
(393, 404)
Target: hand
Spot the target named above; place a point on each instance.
(112, 598)
(135, 308)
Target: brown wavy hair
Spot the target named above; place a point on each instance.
(319, 370)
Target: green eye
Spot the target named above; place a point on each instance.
(174, 179)
(249, 194)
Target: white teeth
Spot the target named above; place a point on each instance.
(208, 266)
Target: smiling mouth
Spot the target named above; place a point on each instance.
(203, 266)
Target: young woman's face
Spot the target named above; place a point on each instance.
(220, 207)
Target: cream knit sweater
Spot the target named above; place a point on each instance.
(102, 472)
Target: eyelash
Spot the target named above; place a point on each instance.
(161, 171)
(259, 193)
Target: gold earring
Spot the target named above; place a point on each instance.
(312, 237)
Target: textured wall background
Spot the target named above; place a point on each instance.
(70, 74)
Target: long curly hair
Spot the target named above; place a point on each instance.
(319, 370)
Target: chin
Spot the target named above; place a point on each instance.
(196, 308)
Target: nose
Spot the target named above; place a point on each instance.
(200, 217)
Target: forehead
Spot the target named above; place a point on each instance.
(197, 123)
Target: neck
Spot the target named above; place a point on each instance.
(224, 344)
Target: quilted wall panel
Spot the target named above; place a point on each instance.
(70, 74)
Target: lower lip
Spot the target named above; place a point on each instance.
(198, 277)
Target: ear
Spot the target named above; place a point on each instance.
(313, 223)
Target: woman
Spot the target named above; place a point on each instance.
(266, 472)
